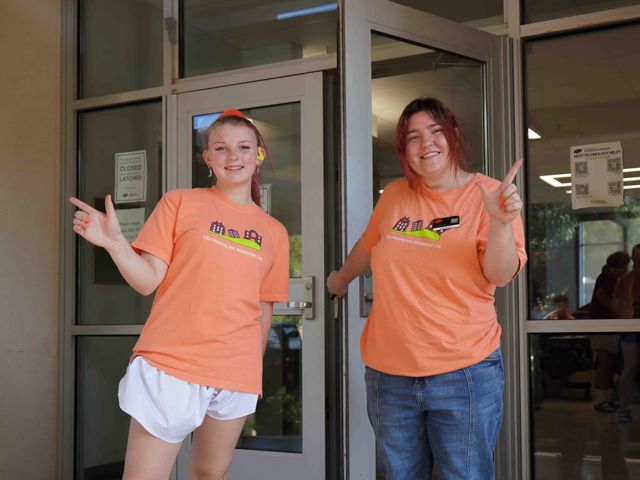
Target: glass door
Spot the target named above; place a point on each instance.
(392, 55)
(285, 437)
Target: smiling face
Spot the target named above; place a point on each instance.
(426, 147)
(231, 154)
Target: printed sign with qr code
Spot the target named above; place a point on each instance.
(582, 188)
(582, 169)
(597, 175)
(614, 165)
(615, 188)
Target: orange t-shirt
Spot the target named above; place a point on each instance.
(224, 258)
(433, 310)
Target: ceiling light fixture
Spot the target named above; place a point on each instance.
(553, 179)
(625, 187)
(533, 135)
(307, 11)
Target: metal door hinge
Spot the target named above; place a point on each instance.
(171, 26)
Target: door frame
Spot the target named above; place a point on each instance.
(307, 90)
(359, 19)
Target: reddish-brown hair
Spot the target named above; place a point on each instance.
(443, 117)
(235, 117)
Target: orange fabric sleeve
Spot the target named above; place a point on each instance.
(158, 233)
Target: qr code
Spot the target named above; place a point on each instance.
(582, 188)
(614, 165)
(615, 188)
(582, 168)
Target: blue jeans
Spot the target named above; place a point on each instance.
(451, 420)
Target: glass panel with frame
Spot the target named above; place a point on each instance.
(582, 386)
(277, 424)
(402, 71)
(221, 36)
(470, 12)
(588, 99)
(541, 10)
(101, 427)
(103, 295)
(119, 46)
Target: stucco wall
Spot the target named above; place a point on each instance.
(29, 237)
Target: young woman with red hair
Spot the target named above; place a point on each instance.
(438, 242)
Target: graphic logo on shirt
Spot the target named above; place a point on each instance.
(433, 230)
(251, 239)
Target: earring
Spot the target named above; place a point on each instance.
(261, 154)
(210, 172)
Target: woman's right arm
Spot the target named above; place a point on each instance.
(143, 272)
(357, 263)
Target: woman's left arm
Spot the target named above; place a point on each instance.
(265, 322)
(503, 205)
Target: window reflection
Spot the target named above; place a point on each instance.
(401, 72)
(221, 36)
(589, 99)
(478, 14)
(101, 427)
(586, 406)
(103, 295)
(277, 423)
(120, 46)
(586, 399)
(541, 10)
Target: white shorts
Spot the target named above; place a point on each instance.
(170, 408)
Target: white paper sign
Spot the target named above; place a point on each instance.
(131, 222)
(265, 197)
(131, 177)
(596, 175)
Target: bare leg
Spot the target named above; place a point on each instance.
(148, 457)
(212, 450)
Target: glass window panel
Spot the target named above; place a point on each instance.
(102, 427)
(602, 231)
(541, 10)
(219, 36)
(120, 46)
(476, 13)
(587, 99)
(582, 386)
(277, 423)
(280, 181)
(103, 295)
(403, 71)
(598, 239)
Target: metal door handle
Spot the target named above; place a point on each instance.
(366, 293)
(301, 305)
(301, 289)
